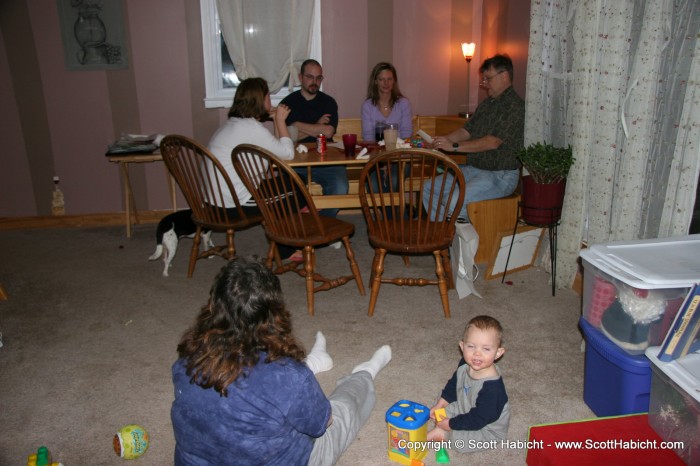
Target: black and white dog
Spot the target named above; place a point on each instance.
(170, 229)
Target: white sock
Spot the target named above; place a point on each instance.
(318, 360)
(379, 359)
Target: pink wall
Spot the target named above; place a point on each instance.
(344, 42)
(161, 84)
(16, 195)
(422, 42)
(56, 121)
(77, 107)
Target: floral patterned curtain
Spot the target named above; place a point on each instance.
(618, 80)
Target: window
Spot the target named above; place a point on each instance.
(220, 77)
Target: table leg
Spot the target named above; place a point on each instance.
(127, 196)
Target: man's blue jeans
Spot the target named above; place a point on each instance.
(333, 180)
(480, 185)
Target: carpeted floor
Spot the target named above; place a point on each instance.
(91, 326)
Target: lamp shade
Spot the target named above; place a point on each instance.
(468, 50)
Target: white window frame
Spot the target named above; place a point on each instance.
(216, 94)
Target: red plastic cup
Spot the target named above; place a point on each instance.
(349, 143)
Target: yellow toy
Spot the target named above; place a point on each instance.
(130, 441)
(440, 414)
(407, 425)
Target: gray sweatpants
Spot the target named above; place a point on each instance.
(352, 402)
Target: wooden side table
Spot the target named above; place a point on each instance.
(129, 202)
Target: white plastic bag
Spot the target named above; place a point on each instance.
(462, 252)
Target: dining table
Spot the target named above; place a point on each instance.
(335, 155)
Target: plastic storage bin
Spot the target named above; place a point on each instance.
(632, 290)
(407, 424)
(615, 382)
(674, 409)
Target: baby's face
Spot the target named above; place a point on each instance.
(480, 349)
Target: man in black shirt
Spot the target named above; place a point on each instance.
(313, 113)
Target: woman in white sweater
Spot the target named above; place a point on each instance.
(251, 106)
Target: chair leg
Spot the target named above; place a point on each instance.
(378, 265)
(231, 247)
(406, 261)
(273, 255)
(195, 251)
(350, 254)
(448, 269)
(442, 283)
(309, 261)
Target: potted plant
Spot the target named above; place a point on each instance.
(543, 188)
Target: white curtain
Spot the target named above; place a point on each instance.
(618, 80)
(267, 38)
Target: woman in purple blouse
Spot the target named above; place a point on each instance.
(385, 103)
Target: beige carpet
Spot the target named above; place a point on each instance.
(90, 331)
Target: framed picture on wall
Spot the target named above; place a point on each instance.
(93, 34)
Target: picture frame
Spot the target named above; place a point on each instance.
(93, 34)
(526, 246)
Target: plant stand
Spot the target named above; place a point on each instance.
(555, 212)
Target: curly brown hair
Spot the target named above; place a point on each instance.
(244, 317)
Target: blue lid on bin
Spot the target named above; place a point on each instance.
(406, 414)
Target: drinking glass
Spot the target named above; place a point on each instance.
(349, 143)
(391, 134)
(379, 131)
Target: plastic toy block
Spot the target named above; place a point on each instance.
(441, 456)
(42, 457)
(440, 414)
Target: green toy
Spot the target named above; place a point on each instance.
(441, 456)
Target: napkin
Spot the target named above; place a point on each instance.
(301, 148)
(363, 154)
(401, 144)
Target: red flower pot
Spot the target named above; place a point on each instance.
(541, 203)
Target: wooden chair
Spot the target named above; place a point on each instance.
(290, 218)
(397, 221)
(204, 183)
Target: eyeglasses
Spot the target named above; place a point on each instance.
(311, 77)
(487, 79)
